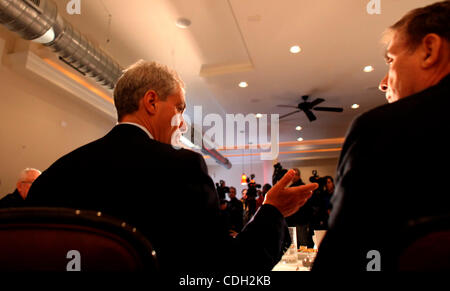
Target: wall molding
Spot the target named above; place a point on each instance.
(26, 62)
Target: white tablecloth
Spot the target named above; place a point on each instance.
(289, 267)
(282, 266)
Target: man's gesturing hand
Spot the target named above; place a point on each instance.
(289, 200)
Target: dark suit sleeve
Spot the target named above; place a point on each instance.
(258, 247)
(182, 217)
(264, 239)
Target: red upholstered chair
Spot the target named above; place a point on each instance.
(59, 239)
(427, 245)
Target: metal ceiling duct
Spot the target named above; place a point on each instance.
(39, 21)
(221, 160)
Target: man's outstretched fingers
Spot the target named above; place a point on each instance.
(277, 190)
(283, 182)
(303, 192)
(306, 190)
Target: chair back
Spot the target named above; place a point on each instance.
(61, 239)
(427, 245)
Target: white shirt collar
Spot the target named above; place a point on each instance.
(141, 127)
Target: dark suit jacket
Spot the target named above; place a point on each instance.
(12, 200)
(303, 216)
(393, 168)
(168, 195)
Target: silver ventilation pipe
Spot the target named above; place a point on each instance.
(39, 21)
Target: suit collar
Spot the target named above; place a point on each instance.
(139, 126)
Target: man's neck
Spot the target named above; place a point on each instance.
(436, 77)
(23, 196)
(140, 121)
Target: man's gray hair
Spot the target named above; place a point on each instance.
(24, 172)
(417, 23)
(140, 77)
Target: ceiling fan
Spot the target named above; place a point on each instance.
(306, 107)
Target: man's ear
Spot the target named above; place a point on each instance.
(150, 101)
(432, 50)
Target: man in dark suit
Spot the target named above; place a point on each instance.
(301, 220)
(395, 159)
(135, 173)
(236, 211)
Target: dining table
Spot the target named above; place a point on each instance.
(287, 263)
(281, 266)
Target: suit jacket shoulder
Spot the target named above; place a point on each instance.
(167, 194)
(382, 182)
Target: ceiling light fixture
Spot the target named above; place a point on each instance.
(300, 139)
(183, 23)
(355, 106)
(258, 115)
(298, 128)
(295, 49)
(368, 69)
(243, 179)
(243, 84)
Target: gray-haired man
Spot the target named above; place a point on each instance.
(380, 187)
(135, 173)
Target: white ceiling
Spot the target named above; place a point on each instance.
(248, 40)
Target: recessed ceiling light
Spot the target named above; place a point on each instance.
(355, 106)
(300, 139)
(258, 115)
(298, 128)
(295, 49)
(183, 23)
(243, 84)
(368, 69)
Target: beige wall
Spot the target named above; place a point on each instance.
(39, 123)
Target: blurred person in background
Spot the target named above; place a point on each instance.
(321, 204)
(302, 219)
(236, 211)
(19, 196)
(329, 191)
(262, 195)
(222, 189)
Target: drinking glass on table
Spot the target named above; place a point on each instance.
(290, 257)
(318, 237)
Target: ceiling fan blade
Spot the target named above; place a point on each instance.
(316, 102)
(286, 115)
(310, 115)
(289, 106)
(331, 109)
